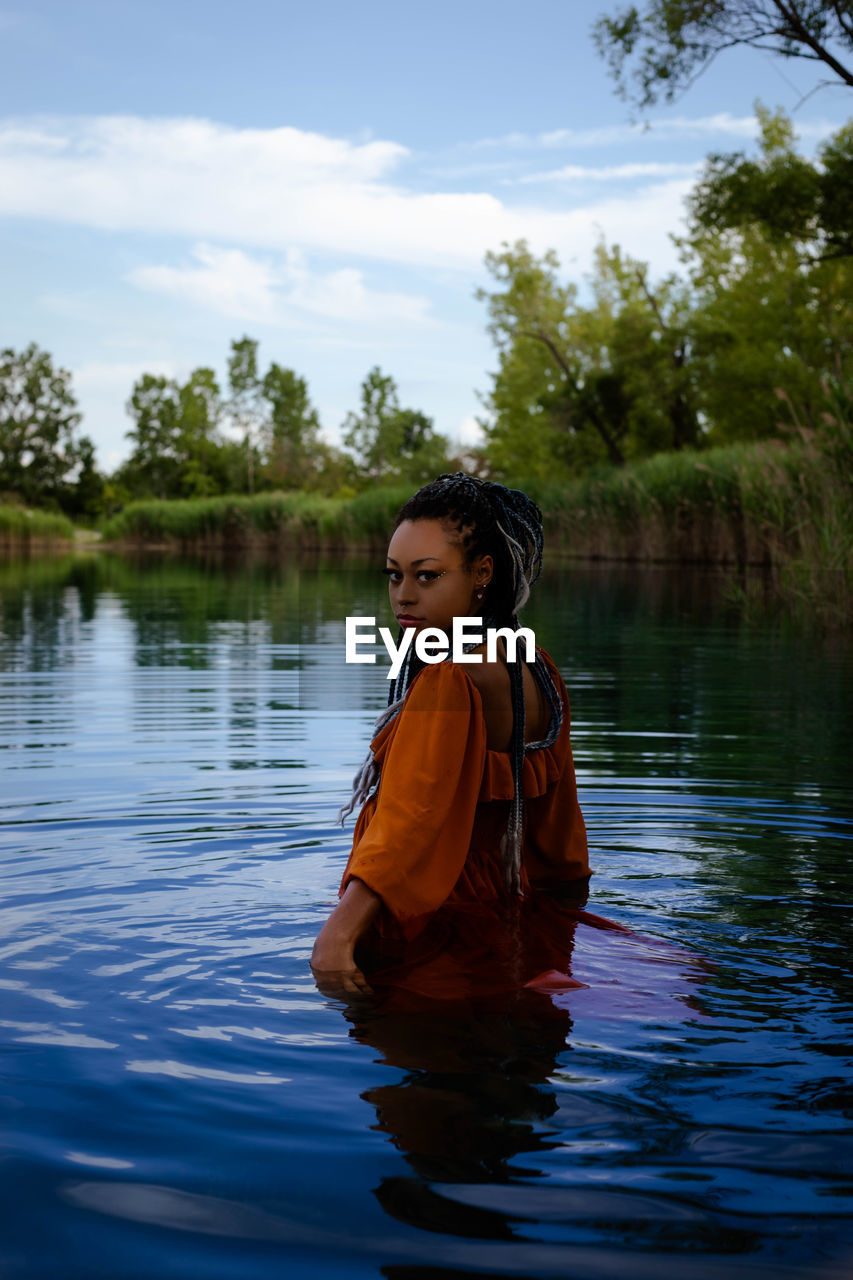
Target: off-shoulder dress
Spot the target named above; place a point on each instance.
(428, 843)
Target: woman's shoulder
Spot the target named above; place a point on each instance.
(443, 687)
(484, 676)
(445, 684)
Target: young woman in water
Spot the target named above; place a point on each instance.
(468, 794)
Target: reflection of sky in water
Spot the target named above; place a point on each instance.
(174, 744)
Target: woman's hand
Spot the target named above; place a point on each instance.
(336, 972)
(332, 960)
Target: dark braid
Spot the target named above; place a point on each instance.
(506, 524)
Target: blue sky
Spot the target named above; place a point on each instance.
(327, 179)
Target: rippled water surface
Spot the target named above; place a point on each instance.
(180, 1100)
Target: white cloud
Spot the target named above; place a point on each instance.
(469, 432)
(276, 189)
(342, 295)
(107, 374)
(611, 173)
(722, 124)
(226, 280)
(235, 284)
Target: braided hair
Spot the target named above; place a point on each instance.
(488, 519)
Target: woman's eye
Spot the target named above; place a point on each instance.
(424, 576)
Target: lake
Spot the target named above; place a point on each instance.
(179, 1099)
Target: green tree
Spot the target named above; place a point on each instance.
(207, 461)
(279, 426)
(791, 199)
(536, 419)
(38, 419)
(577, 385)
(773, 315)
(86, 500)
(177, 451)
(153, 465)
(657, 50)
(391, 443)
(246, 403)
(290, 432)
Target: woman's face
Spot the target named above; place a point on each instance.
(428, 582)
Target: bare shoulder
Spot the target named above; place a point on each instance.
(489, 677)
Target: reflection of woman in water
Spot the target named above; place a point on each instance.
(469, 803)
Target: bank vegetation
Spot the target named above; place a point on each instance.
(784, 507)
(23, 527)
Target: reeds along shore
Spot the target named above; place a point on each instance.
(22, 527)
(787, 506)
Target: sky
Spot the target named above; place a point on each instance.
(327, 179)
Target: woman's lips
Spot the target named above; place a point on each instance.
(406, 620)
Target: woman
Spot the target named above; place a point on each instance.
(476, 804)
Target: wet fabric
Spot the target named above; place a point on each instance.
(428, 842)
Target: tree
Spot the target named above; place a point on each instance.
(177, 451)
(38, 418)
(279, 425)
(658, 51)
(206, 461)
(773, 312)
(291, 430)
(791, 199)
(154, 407)
(86, 498)
(391, 443)
(577, 385)
(246, 403)
(538, 417)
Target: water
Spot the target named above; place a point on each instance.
(180, 1100)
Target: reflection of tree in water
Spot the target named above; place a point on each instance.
(43, 606)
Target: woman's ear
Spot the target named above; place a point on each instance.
(484, 568)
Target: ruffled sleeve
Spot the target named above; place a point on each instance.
(413, 846)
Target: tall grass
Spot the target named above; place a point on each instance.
(20, 526)
(743, 504)
(292, 519)
(785, 505)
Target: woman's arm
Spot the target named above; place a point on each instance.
(332, 960)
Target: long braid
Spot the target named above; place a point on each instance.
(506, 524)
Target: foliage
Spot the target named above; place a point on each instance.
(792, 200)
(786, 506)
(246, 406)
(290, 430)
(391, 443)
(23, 525)
(299, 519)
(658, 50)
(38, 418)
(771, 323)
(576, 384)
(178, 451)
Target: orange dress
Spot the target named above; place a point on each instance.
(428, 843)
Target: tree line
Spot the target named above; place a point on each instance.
(193, 439)
(751, 338)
